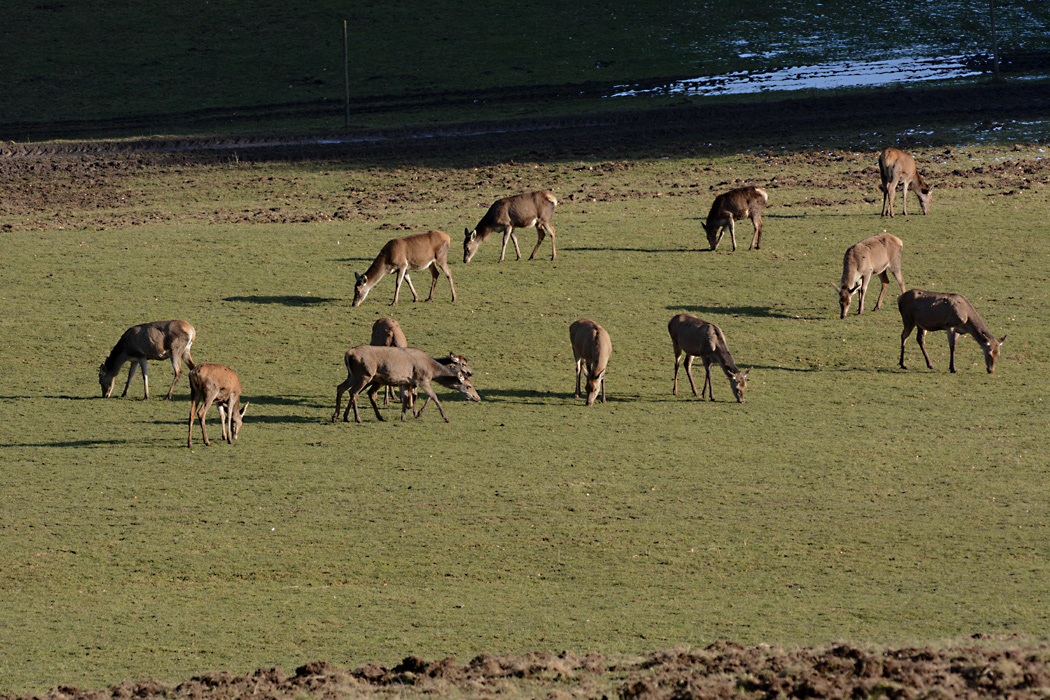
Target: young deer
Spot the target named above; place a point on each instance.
(521, 211)
(373, 367)
(872, 256)
(402, 255)
(590, 345)
(214, 383)
(939, 311)
(735, 205)
(386, 332)
(697, 338)
(159, 340)
(897, 166)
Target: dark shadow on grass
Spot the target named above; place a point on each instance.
(632, 250)
(754, 311)
(531, 396)
(287, 300)
(74, 443)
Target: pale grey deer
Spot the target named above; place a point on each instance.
(876, 255)
(160, 340)
(418, 251)
(519, 211)
(591, 348)
(941, 311)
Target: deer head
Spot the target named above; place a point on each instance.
(236, 419)
(361, 289)
(470, 244)
(845, 297)
(106, 381)
(738, 383)
(925, 197)
(991, 353)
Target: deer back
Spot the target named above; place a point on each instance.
(591, 343)
(387, 331)
(211, 377)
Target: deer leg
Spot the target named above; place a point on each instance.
(222, 422)
(434, 281)
(882, 292)
(193, 409)
(920, 335)
(540, 233)
(689, 371)
(201, 413)
(579, 371)
(674, 387)
(554, 248)
(339, 395)
(432, 395)
(952, 337)
(603, 387)
(176, 364)
(448, 273)
(904, 339)
(900, 278)
(732, 231)
(708, 384)
(355, 388)
(408, 278)
(373, 390)
(756, 221)
(863, 293)
(891, 191)
(904, 197)
(131, 373)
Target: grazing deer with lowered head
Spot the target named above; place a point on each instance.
(214, 383)
(402, 255)
(872, 256)
(896, 166)
(159, 340)
(373, 367)
(939, 311)
(590, 346)
(735, 205)
(697, 338)
(386, 332)
(520, 211)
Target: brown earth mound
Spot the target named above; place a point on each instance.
(723, 670)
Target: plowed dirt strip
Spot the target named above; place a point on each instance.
(722, 670)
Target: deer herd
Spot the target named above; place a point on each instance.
(387, 362)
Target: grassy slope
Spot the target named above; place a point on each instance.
(845, 500)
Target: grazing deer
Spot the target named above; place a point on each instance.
(590, 345)
(939, 311)
(521, 211)
(386, 332)
(214, 383)
(697, 338)
(159, 340)
(872, 256)
(897, 166)
(373, 367)
(402, 255)
(735, 205)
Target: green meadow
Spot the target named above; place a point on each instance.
(846, 499)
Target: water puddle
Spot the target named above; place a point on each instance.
(841, 74)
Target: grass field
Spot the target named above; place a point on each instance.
(845, 500)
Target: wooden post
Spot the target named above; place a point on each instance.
(346, 80)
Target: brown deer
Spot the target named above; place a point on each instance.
(735, 205)
(872, 256)
(160, 340)
(373, 367)
(590, 345)
(386, 332)
(402, 255)
(897, 166)
(940, 311)
(521, 211)
(697, 338)
(214, 383)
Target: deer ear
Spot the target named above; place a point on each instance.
(1002, 339)
(358, 278)
(747, 371)
(244, 408)
(835, 287)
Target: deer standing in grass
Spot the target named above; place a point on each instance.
(520, 211)
(940, 311)
(896, 166)
(735, 205)
(373, 367)
(160, 340)
(214, 383)
(386, 332)
(698, 338)
(403, 255)
(872, 256)
(592, 347)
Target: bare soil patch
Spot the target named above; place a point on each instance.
(722, 670)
